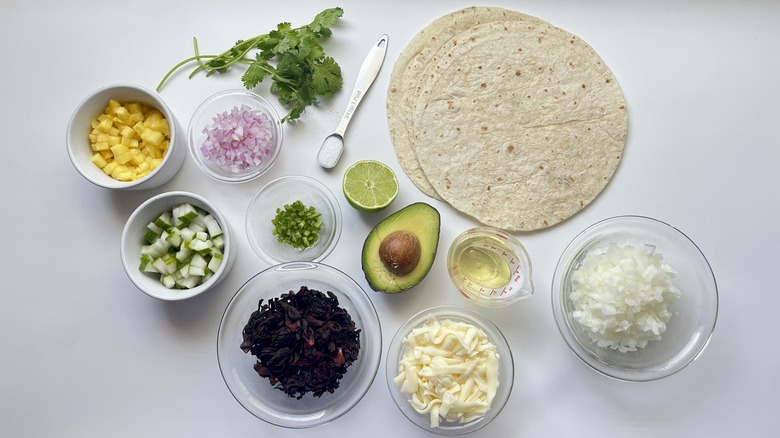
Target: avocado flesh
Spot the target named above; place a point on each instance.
(419, 219)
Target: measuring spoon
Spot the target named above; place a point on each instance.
(333, 146)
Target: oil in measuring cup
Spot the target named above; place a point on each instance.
(490, 267)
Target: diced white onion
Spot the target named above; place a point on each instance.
(621, 296)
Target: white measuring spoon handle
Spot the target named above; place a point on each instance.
(365, 78)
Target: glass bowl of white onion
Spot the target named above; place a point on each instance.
(634, 298)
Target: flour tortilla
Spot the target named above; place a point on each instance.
(407, 73)
(518, 123)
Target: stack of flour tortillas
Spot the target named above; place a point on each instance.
(506, 117)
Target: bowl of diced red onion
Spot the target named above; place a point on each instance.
(235, 136)
(634, 298)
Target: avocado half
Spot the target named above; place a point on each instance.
(419, 219)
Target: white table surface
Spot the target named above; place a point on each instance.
(85, 354)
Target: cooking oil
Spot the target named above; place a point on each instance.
(483, 261)
(490, 266)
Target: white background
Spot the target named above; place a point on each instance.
(86, 354)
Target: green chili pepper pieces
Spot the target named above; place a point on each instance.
(297, 225)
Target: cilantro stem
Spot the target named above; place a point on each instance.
(176, 67)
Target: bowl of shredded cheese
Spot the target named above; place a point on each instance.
(449, 370)
(634, 298)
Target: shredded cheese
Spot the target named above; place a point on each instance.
(450, 369)
(621, 296)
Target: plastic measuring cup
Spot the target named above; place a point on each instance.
(490, 267)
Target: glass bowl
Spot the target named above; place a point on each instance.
(692, 318)
(490, 267)
(277, 194)
(256, 393)
(457, 314)
(225, 106)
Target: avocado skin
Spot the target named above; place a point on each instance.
(420, 219)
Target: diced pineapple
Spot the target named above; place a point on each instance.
(139, 128)
(136, 112)
(138, 157)
(122, 114)
(152, 137)
(122, 173)
(99, 160)
(113, 104)
(128, 132)
(109, 168)
(105, 125)
(129, 140)
(121, 153)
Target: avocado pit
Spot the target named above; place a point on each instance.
(400, 252)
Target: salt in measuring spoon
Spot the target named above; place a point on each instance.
(333, 146)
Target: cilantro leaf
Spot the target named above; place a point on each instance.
(326, 77)
(325, 20)
(255, 73)
(315, 50)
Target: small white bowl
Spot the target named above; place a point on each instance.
(80, 150)
(133, 239)
(277, 194)
(224, 103)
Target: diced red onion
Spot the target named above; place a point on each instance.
(239, 140)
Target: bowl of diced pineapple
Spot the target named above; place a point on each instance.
(123, 136)
(176, 245)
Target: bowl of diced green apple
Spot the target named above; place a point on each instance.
(176, 245)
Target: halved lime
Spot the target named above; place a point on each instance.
(369, 185)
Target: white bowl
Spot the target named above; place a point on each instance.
(80, 150)
(133, 239)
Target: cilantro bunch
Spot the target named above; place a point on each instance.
(302, 73)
